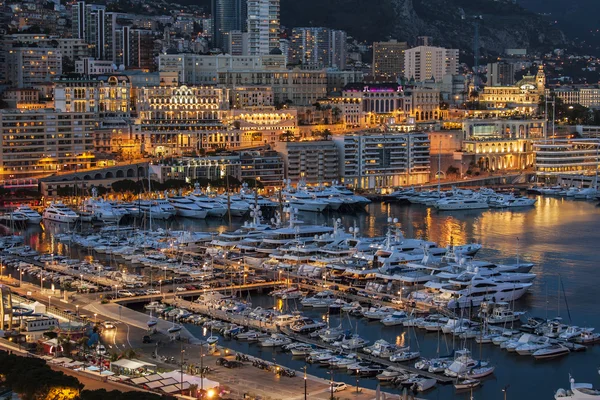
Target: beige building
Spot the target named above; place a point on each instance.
(311, 161)
(263, 125)
(500, 144)
(179, 119)
(425, 62)
(523, 97)
(109, 96)
(43, 142)
(251, 96)
(388, 58)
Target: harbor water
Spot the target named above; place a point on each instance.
(559, 236)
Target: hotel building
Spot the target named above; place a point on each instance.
(376, 158)
(180, 119)
(426, 62)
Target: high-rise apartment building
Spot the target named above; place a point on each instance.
(426, 62)
(42, 142)
(263, 26)
(29, 66)
(237, 43)
(374, 159)
(227, 15)
(500, 74)
(388, 58)
(321, 47)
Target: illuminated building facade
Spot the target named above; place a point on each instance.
(251, 96)
(566, 157)
(383, 158)
(179, 119)
(388, 58)
(523, 97)
(385, 102)
(310, 161)
(263, 125)
(501, 144)
(107, 95)
(42, 142)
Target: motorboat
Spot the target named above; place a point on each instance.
(58, 212)
(378, 313)
(33, 217)
(302, 350)
(306, 325)
(423, 384)
(454, 204)
(354, 342)
(405, 356)
(319, 300)
(214, 207)
(101, 210)
(500, 313)
(578, 391)
(389, 374)
(463, 384)
(396, 318)
(534, 344)
(211, 340)
(275, 340)
(152, 209)
(553, 351)
(573, 332)
(479, 372)
(587, 337)
(185, 207)
(174, 329)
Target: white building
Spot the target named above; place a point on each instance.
(263, 26)
(383, 158)
(91, 66)
(426, 62)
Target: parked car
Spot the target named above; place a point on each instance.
(126, 293)
(181, 289)
(153, 291)
(339, 386)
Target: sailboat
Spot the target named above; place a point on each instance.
(152, 322)
(175, 328)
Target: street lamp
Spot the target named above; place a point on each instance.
(81, 281)
(160, 285)
(116, 293)
(77, 307)
(42, 279)
(21, 278)
(49, 299)
(305, 394)
(95, 318)
(504, 390)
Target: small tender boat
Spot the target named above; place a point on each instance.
(212, 340)
(466, 384)
(174, 329)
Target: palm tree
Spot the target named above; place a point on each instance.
(287, 136)
(336, 112)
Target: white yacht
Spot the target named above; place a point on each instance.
(471, 289)
(453, 203)
(33, 217)
(185, 207)
(303, 201)
(152, 209)
(101, 210)
(577, 391)
(214, 207)
(58, 212)
(320, 300)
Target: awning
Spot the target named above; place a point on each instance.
(140, 380)
(131, 364)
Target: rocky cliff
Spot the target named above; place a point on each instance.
(451, 23)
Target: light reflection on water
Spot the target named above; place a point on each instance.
(558, 236)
